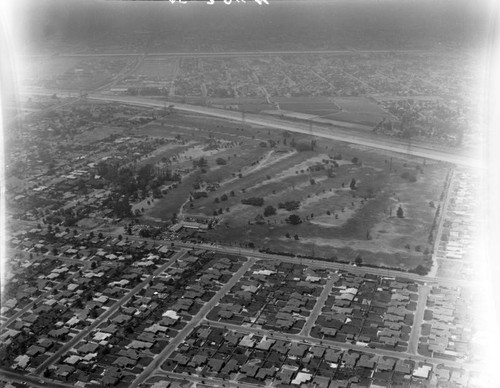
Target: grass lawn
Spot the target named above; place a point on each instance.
(337, 221)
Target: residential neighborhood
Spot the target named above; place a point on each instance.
(247, 194)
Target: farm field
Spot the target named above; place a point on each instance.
(65, 73)
(269, 190)
(358, 110)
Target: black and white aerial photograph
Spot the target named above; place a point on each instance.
(249, 193)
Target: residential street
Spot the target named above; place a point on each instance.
(181, 336)
(107, 314)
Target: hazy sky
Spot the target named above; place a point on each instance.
(422, 20)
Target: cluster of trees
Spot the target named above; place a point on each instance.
(253, 201)
(303, 147)
(269, 211)
(200, 163)
(289, 205)
(409, 176)
(129, 183)
(294, 219)
(221, 161)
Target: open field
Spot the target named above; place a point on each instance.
(336, 221)
(84, 73)
(358, 110)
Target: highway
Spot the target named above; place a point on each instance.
(223, 53)
(362, 138)
(428, 151)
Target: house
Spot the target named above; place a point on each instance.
(215, 364)
(286, 374)
(34, 350)
(89, 347)
(265, 344)
(72, 360)
(250, 370)
(298, 350)
(301, 378)
(124, 362)
(231, 366)
(64, 371)
(422, 372)
(140, 345)
(247, 341)
(21, 362)
(129, 353)
(264, 373)
(198, 360)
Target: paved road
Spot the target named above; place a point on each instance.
(106, 314)
(338, 345)
(160, 359)
(44, 296)
(202, 381)
(442, 217)
(418, 319)
(428, 151)
(319, 305)
(334, 266)
(38, 382)
(226, 53)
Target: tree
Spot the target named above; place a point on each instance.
(145, 232)
(352, 185)
(223, 197)
(420, 270)
(294, 219)
(221, 161)
(122, 208)
(359, 260)
(269, 211)
(400, 212)
(296, 237)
